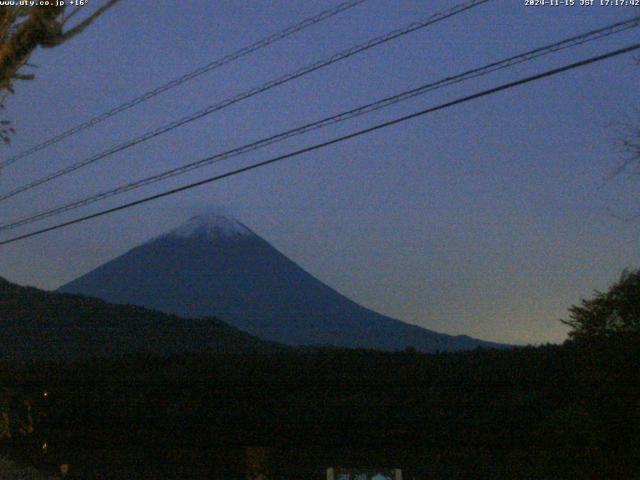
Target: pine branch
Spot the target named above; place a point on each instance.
(82, 25)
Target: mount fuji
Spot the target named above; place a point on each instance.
(214, 265)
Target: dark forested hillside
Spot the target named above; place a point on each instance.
(38, 325)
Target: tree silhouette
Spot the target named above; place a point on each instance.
(25, 28)
(608, 314)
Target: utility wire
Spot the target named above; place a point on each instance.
(343, 116)
(412, 27)
(319, 146)
(186, 77)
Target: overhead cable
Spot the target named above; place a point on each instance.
(412, 27)
(307, 22)
(334, 141)
(333, 119)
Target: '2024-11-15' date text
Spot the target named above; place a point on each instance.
(582, 3)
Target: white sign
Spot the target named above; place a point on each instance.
(363, 474)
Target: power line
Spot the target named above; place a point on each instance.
(318, 146)
(412, 27)
(340, 117)
(292, 29)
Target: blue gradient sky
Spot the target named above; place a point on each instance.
(487, 219)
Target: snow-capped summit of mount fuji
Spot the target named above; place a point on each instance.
(211, 225)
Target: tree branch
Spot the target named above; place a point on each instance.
(82, 25)
(37, 29)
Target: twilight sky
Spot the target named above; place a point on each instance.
(487, 219)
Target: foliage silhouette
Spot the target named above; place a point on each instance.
(613, 313)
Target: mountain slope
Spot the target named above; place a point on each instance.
(216, 266)
(39, 325)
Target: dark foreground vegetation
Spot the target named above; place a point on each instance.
(556, 411)
(570, 411)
